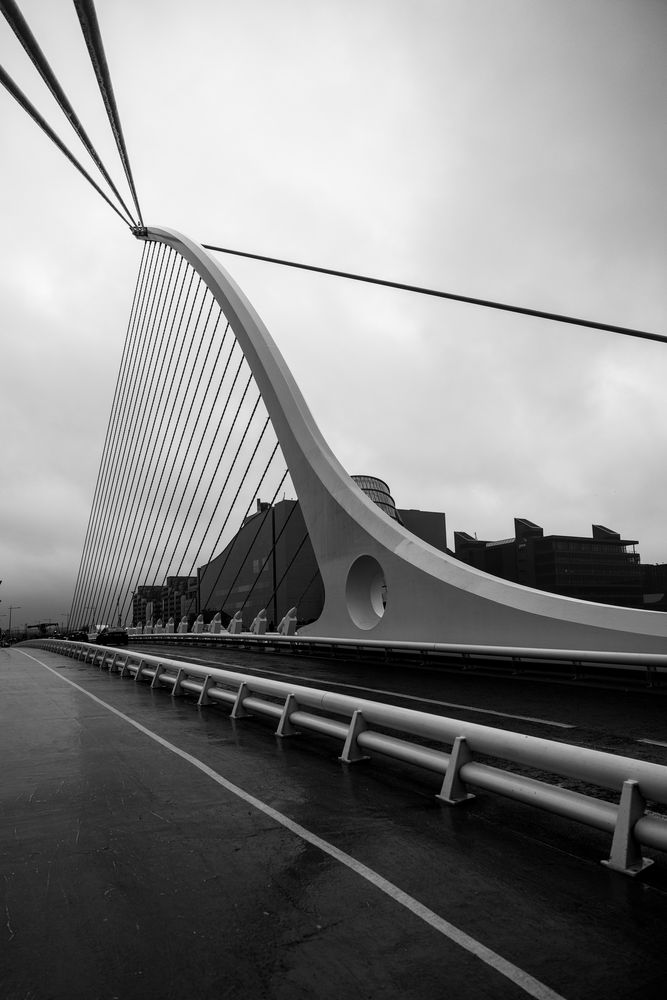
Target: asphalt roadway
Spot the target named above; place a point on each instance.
(152, 849)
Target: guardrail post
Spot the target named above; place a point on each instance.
(113, 663)
(140, 667)
(160, 669)
(204, 697)
(453, 789)
(351, 752)
(626, 855)
(238, 711)
(285, 727)
(125, 669)
(176, 690)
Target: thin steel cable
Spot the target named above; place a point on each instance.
(232, 505)
(128, 542)
(254, 496)
(166, 362)
(187, 390)
(168, 449)
(107, 436)
(121, 466)
(22, 100)
(271, 554)
(21, 29)
(486, 303)
(143, 425)
(278, 585)
(108, 458)
(167, 513)
(91, 32)
(307, 587)
(118, 465)
(146, 427)
(196, 450)
(122, 410)
(172, 555)
(236, 495)
(249, 548)
(146, 548)
(115, 558)
(130, 458)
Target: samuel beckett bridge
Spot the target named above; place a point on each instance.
(154, 846)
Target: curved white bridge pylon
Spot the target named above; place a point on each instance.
(381, 581)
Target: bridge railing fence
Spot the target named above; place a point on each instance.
(456, 749)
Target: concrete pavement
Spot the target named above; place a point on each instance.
(152, 849)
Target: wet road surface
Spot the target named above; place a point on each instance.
(624, 722)
(153, 849)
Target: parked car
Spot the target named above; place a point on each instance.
(111, 637)
(76, 636)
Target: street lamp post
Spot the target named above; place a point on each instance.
(12, 607)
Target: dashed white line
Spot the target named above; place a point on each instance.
(533, 987)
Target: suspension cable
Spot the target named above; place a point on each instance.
(127, 460)
(22, 100)
(110, 421)
(232, 543)
(270, 555)
(215, 471)
(120, 464)
(169, 448)
(145, 428)
(486, 303)
(21, 29)
(128, 541)
(108, 457)
(91, 32)
(289, 565)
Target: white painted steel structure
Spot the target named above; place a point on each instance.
(380, 580)
(355, 723)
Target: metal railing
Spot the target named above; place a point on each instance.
(648, 668)
(359, 725)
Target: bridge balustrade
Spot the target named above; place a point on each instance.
(360, 725)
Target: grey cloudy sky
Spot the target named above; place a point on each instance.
(510, 150)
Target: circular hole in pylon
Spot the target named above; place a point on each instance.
(366, 592)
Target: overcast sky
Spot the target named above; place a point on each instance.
(510, 150)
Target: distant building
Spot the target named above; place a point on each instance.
(270, 562)
(146, 604)
(180, 598)
(429, 525)
(604, 568)
(654, 586)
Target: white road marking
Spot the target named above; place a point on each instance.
(221, 664)
(512, 972)
(654, 743)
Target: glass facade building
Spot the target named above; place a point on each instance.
(378, 491)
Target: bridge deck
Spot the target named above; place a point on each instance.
(150, 849)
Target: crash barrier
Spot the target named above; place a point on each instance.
(645, 669)
(357, 724)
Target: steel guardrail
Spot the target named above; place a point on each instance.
(359, 723)
(650, 666)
